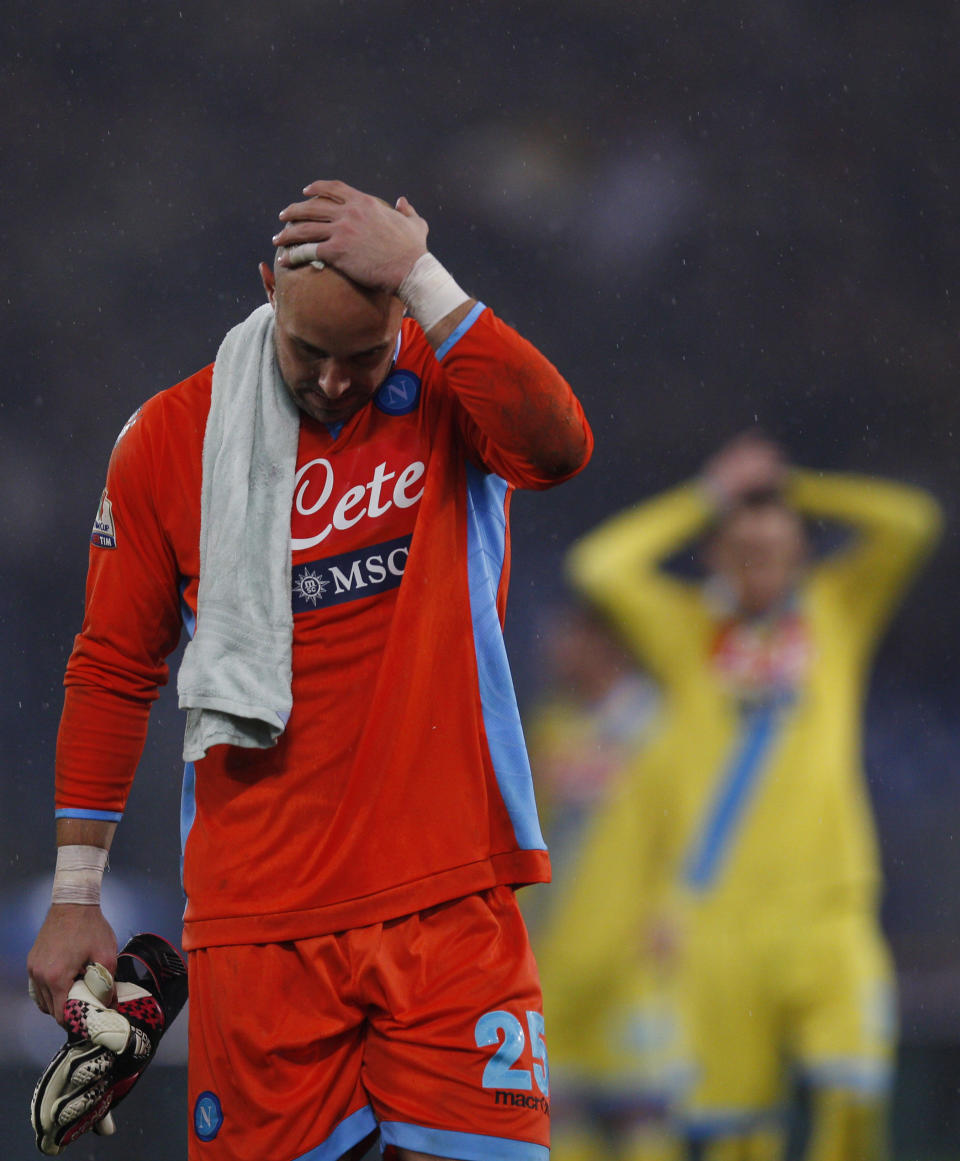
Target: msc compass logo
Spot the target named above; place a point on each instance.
(309, 586)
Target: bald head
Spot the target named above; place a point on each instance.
(335, 340)
(324, 284)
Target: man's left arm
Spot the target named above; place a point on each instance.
(895, 528)
(519, 414)
(522, 417)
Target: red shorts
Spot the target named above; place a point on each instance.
(428, 1028)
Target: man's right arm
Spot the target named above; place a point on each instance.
(131, 622)
(73, 934)
(618, 567)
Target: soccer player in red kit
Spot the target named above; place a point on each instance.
(357, 962)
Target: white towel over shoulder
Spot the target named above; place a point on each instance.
(235, 679)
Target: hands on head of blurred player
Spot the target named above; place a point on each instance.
(749, 464)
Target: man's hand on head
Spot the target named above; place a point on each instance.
(360, 235)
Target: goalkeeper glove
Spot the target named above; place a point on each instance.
(107, 1048)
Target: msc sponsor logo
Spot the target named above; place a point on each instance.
(207, 1116)
(522, 1100)
(104, 534)
(398, 394)
(365, 572)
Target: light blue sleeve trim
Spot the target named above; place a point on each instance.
(188, 801)
(186, 613)
(464, 1146)
(348, 1133)
(486, 554)
(462, 328)
(100, 815)
(188, 807)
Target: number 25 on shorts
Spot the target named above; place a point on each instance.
(506, 1031)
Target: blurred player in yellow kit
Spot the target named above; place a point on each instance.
(606, 1013)
(755, 780)
(589, 721)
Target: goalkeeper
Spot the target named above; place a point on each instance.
(325, 509)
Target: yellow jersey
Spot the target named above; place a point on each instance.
(753, 788)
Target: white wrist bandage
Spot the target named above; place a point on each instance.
(429, 292)
(79, 874)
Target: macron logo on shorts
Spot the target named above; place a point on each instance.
(207, 1116)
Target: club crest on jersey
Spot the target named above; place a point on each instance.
(398, 394)
(763, 662)
(207, 1116)
(104, 534)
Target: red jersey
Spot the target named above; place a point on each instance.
(401, 779)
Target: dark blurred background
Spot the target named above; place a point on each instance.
(708, 215)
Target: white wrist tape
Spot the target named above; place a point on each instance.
(303, 254)
(429, 292)
(79, 874)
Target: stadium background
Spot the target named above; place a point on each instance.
(708, 215)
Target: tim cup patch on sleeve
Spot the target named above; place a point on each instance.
(104, 534)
